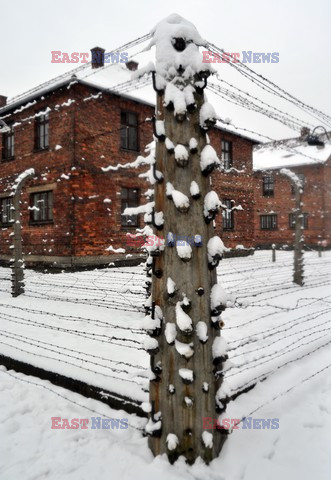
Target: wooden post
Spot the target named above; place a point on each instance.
(186, 358)
(298, 218)
(17, 264)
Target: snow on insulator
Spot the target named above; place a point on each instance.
(171, 389)
(169, 189)
(172, 441)
(194, 190)
(170, 239)
(159, 128)
(170, 55)
(189, 97)
(209, 160)
(186, 302)
(202, 331)
(146, 407)
(208, 116)
(150, 325)
(183, 321)
(219, 348)
(158, 312)
(170, 332)
(219, 299)
(155, 250)
(184, 349)
(169, 145)
(215, 250)
(212, 205)
(197, 240)
(224, 391)
(207, 439)
(159, 219)
(151, 344)
(181, 155)
(184, 250)
(205, 387)
(152, 427)
(186, 375)
(171, 287)
(193, 145)
(174, 96)
(188, 401)
(180, 200)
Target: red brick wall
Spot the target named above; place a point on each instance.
(88, 132)
(237, 186)
(283, 201)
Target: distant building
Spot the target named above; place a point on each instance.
(274, 196)
(67, 130)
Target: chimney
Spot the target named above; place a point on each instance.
(3, 101)
(98, 57)
(132, 65)
(305, 131)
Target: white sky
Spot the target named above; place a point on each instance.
(298, 29)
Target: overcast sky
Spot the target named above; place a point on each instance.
(298, 29)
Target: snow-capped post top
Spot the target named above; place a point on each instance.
(177, 44)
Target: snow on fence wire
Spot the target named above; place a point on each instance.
(88, 326)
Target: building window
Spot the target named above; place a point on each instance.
(8, 145)
(129, 199)
(42, 132)
(268, 185)
(41, 207)
(6, 210)
(291, 220)
(227, 154)
(228, 216)
(268, 222)
(301, 177)
(129, 131)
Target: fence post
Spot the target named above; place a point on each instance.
(16, 262)
(187, 351)
(273, 252)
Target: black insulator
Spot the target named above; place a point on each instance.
(179, 44)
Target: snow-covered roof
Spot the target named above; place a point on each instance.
(289, 153)
(105, 78)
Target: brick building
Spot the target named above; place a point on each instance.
(274, 196)
(68, 130)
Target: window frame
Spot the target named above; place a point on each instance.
(49, 208)
(228, 215)
(291, 221)
(267, 181)
(8, 151)
(227, 154)
(273, 221)
(11, 215)
(129, 203)
(42, 123)
(127, 126)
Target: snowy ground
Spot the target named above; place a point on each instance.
(88, 325)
